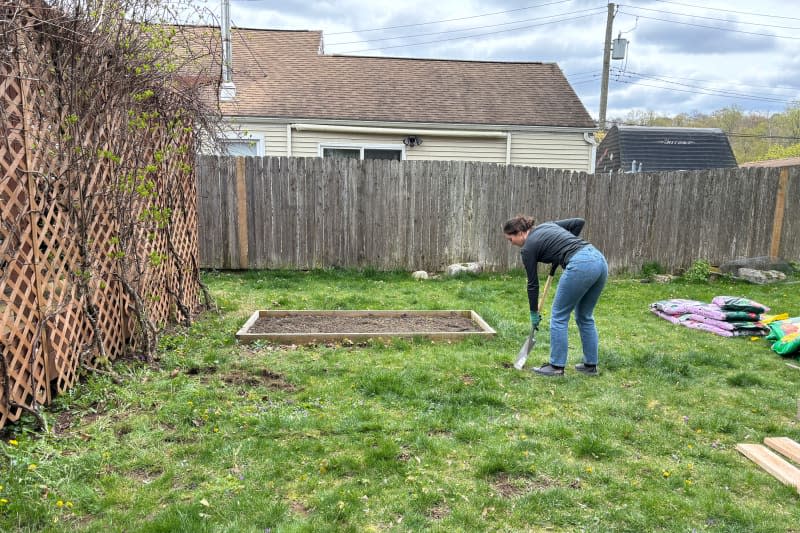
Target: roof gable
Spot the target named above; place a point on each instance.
(283, 74)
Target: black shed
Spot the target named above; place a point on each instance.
(650, 149)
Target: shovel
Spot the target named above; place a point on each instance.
(530, 342)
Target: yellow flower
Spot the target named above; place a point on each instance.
(13, 442)
(665, 473)
(589, 469)
(688, 482)
(69, 504)
(3, 501)
(216, 430)
(32, 467)
(59, 503)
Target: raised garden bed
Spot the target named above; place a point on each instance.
(306, 327)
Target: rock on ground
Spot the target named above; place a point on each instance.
(458, 268)
(760, 276)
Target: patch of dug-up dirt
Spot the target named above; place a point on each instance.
(404, 323)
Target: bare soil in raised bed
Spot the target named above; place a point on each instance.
(404, 323)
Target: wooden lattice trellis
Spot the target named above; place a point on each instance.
(53, 217)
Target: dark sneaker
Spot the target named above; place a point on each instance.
(589, 370)
(549, 370)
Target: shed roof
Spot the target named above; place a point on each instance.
(660, 149)
(281, 73)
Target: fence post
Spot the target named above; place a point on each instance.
(777, 219)
(241, 212)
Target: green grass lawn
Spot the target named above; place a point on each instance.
(409, 435)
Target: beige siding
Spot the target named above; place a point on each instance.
(274, 136)
(566, 150)
(562, 150)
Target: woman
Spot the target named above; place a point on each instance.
(585, 274)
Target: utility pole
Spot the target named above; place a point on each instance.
(606, 66)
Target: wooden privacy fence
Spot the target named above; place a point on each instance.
(302, 213)
(73, 231)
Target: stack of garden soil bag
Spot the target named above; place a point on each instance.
(785, 336)
(728, 316)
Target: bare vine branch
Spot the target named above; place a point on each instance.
(109, 103)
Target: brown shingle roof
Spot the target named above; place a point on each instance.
(283, 74)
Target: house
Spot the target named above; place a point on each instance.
(651, 149)
(292, 99)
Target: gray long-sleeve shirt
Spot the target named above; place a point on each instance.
(550, 242)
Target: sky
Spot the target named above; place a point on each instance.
(689, 56)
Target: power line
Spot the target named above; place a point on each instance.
(470, 36)
(713, 18)
(774, 87)
(452, 20)
(727, 10)
(709, 27)
(707, 93)
(463, 29)
(721, 92)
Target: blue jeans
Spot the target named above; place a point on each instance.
(578, 289)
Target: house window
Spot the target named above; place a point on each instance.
(390, 152)
(342, 153)
(240, 147)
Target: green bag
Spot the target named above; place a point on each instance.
(786, 336)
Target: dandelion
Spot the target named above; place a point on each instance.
(216, 430)
(3, 501)
(666, 473)
(32, 467)
(68, 504)
(13, 442)
(589, 469)
(60, 503)
(688, 482)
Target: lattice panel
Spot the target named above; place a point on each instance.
(45, 333)
(24, 381)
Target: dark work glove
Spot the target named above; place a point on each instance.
(536, 318)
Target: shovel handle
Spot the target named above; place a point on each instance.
(545, 290)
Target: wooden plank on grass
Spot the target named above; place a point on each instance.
(785, 446)
(779, 468)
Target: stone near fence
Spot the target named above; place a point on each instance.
(756, 263)
(419, 274)
(459, 268)
(760, 276)
(663, 278)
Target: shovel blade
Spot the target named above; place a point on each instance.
(522, 356)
